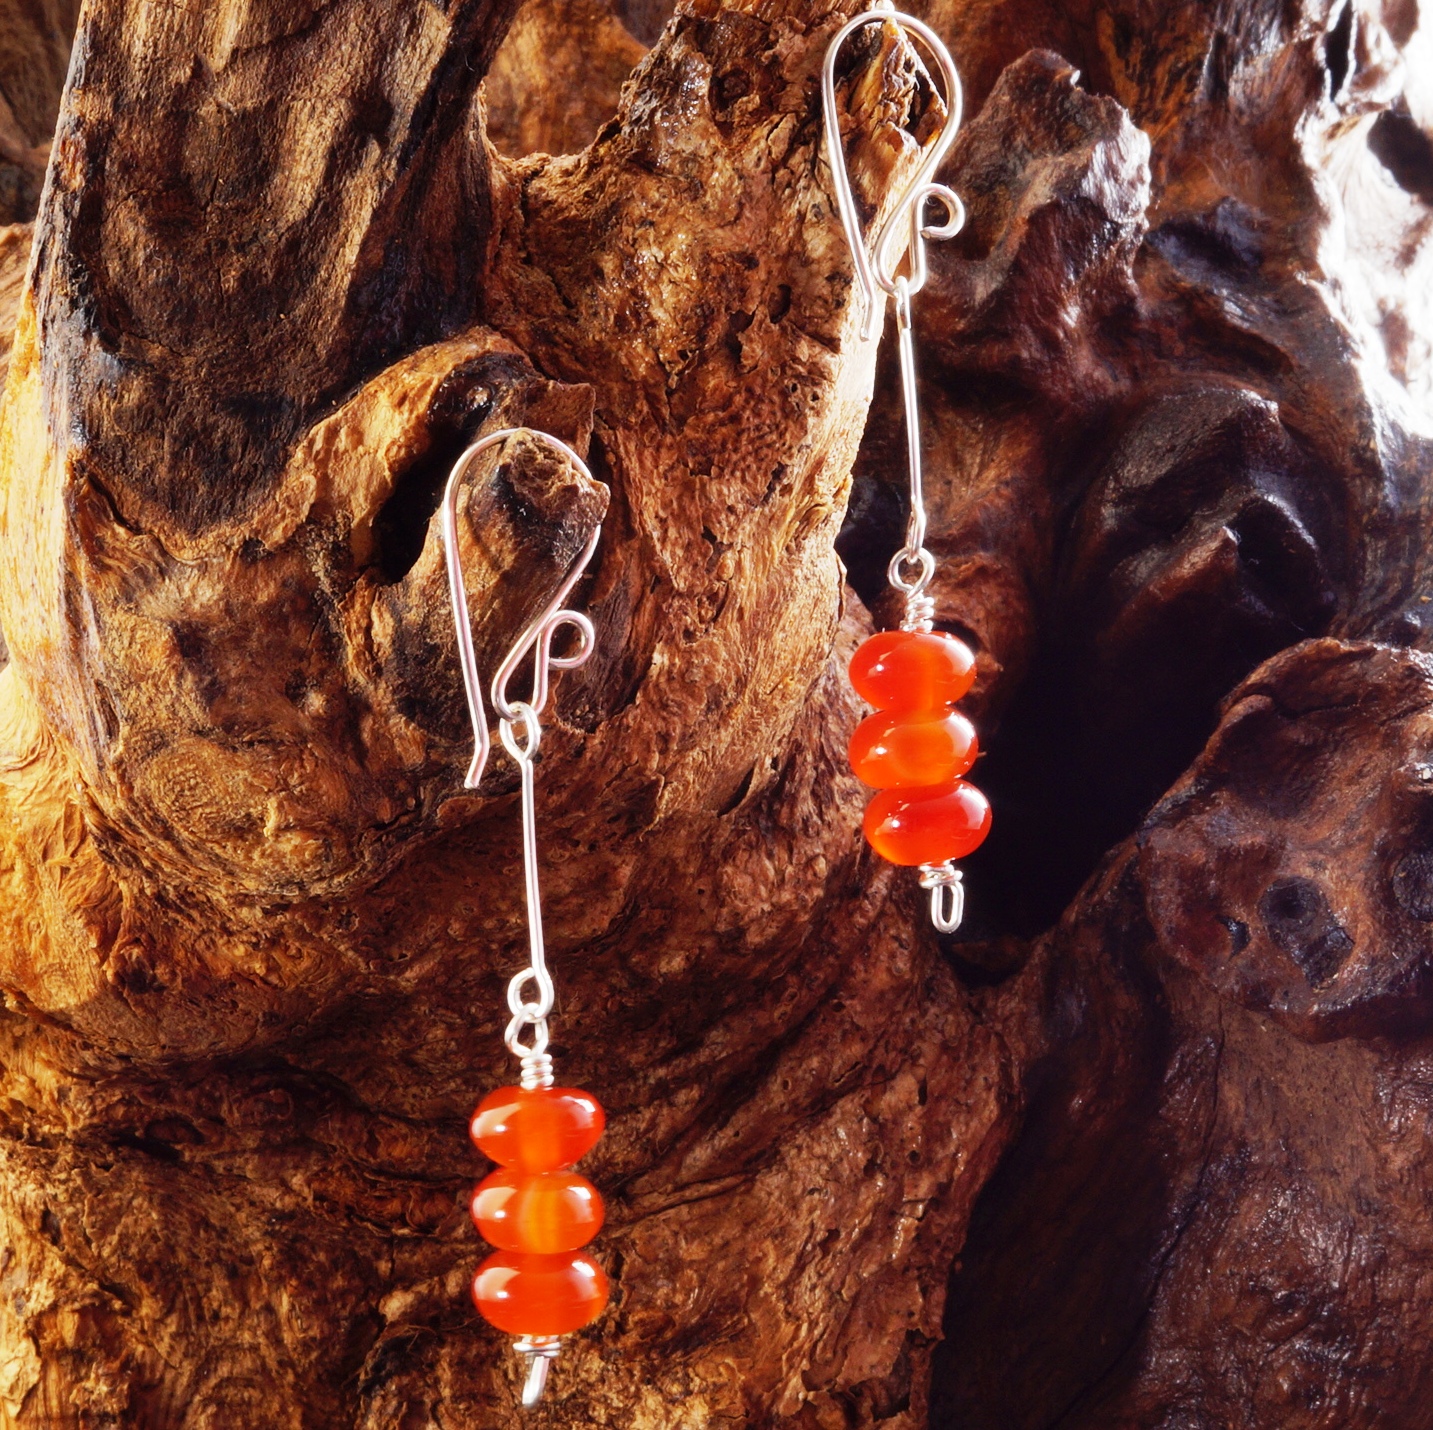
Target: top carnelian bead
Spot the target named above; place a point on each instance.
(537, 1130)
(912, 670)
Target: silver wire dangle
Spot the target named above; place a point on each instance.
(520, 730)
(903, 235)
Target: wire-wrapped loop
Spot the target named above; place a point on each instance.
(526, 716)
(513, 1036)
(519, 1007)
(925, 570)
(947, 895)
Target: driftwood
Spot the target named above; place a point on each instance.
(1146, 1144)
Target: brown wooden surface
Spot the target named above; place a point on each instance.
(1146, 1146)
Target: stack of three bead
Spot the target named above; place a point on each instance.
(916, 747)
(537, 1211)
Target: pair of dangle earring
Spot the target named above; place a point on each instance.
(537, 1212)
(916, 748)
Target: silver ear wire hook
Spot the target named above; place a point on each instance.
(875, 264)
(539, 633)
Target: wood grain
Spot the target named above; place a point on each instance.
(1144, 1146)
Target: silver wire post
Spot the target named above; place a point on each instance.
(540, 1352)
(903, 236)
(530, 992)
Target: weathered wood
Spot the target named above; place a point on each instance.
(557, 77)
(1145, 1145)
(35, 39)
(15, 240)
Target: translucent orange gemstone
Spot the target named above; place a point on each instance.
(927, 826)
(537, 1211)
(894, 750)
(912, 670)
(527, 1294)
(538, 1130)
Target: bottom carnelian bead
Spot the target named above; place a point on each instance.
(528, 1294)
(537, 1211)
(927, 826)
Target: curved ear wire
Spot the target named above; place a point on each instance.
(875, 263)
(539, 633)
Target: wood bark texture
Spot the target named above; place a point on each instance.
(1146, 1144)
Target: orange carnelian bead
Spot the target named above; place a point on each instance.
(539, 1130)
(912, 670)
(526, 1294)
(537, 1211)
(927, 826)
(891, 750)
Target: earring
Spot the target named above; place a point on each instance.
(916, 747)
(538, 1213)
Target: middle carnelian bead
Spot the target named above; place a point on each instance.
(896, 750)
(912, 670)
(537, 1129)
(537, 1211)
